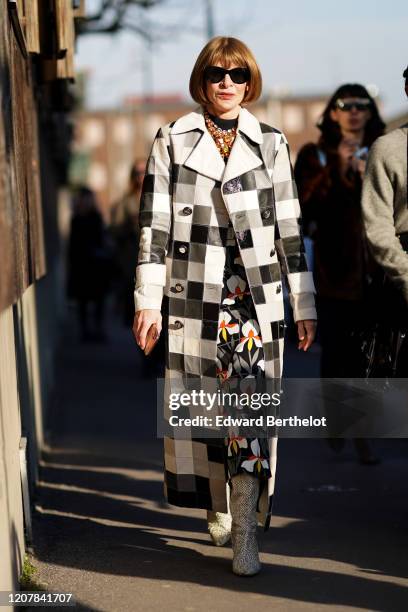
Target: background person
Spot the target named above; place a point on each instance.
(89, 264)
(329, 179)
(124, 224)
(211, 256)
(385, 215)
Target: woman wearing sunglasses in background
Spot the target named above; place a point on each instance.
(219, 227)
(329, 180)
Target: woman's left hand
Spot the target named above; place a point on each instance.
(306, 333)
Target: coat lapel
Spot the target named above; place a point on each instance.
(242, 158)
(205, 158)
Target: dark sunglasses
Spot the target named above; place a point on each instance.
(215, 74)
(360, 105)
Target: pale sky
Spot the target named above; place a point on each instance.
(302, 46)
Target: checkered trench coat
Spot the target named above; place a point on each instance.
(189, 195)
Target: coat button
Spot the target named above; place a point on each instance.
(272, 253)
(178, 287)
(278, 289)
(178, 324)
(187, 210)
(182, 249)
(266, 214)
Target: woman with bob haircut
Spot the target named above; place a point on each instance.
(219, 221)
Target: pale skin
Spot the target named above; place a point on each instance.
(224, 100)
(352, 124)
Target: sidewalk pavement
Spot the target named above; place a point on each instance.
(102, 530)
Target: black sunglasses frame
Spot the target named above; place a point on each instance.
(211, 71)
(348, 106)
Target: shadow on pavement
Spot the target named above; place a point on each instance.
(338, 536)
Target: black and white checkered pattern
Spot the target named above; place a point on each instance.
(189, 196)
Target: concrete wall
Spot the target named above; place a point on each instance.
(34, 151)
(11, 511)
(28, 332)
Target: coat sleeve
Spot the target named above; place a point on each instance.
(154, 221)
(289, 238)
(378, 216)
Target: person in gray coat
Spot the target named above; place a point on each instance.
(385, 215)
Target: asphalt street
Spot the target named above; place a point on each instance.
(102, 530)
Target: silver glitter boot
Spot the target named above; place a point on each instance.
(219, 526)
(244, 494)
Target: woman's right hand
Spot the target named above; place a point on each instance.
(142, 322)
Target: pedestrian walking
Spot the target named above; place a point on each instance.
(329, 179)
(125, 230)
(124, 225)
(385, 216)
(219, 229)
(89, 265)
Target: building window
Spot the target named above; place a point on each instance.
(315, 112)
(293, 118)
(97, 177)
(152, 124)
(93, 134)
(121, 177)
(122, 131)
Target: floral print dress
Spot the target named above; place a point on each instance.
(239, 349)
(240, 355)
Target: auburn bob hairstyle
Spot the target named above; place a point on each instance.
(225, 51)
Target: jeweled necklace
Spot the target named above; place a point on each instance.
(224, 139)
